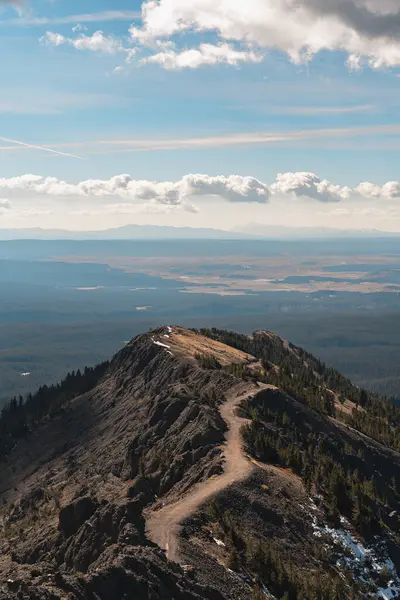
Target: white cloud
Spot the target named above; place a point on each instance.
(233, 188)
(311, 186)
(389, 191)
(79, 27)
(53, 39)
(354, 62)
(365, 29)
(98, 42)
(125, 193)
(130, 57)
(204, 55)
(168, 57)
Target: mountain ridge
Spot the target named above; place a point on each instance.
(124, 232)
(252, 231)
(83, 482)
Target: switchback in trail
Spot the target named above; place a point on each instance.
(163, 526)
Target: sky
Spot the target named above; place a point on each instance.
(208, 113)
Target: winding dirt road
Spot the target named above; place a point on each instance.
(163, 526)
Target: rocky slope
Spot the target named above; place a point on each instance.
(151, 485)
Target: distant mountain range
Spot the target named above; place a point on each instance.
(157, 232)
(283, 232)
(126, 232)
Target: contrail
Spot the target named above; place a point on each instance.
(4, 139)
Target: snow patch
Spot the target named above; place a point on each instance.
(266, 592)
(366, 562)
(389, 593)
(161, 344)
(219, 542)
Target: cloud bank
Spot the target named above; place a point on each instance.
(233, 188)
(179, 194)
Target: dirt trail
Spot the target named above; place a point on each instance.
(163, 526)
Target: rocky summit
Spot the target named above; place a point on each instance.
(201, 465)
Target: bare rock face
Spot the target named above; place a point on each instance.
(138, 572)
(108, 525)
(74, 515)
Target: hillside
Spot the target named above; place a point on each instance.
(201, 465)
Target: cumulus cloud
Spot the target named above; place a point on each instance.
(53, 39)
(368, 30)
(233, 188)
(204, 55)
(389, 191)
(311, 186)
(98, 42)
(122, 192)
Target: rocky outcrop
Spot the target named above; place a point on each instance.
(137, 572)
(74, 515)
(121, 572)
(110, 524)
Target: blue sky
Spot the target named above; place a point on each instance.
(162, 123)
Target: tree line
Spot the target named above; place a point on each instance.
(313, 383)
(20, 415)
